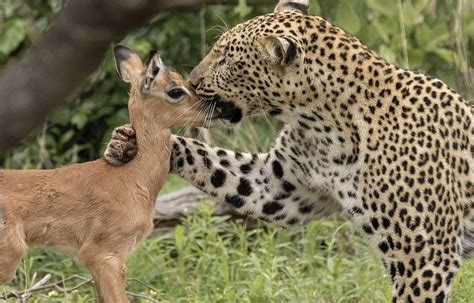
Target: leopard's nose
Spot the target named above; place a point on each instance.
(193, 79)
(196, 76)
(193, 86)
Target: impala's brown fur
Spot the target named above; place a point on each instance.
(93, 210)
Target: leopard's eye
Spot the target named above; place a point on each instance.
(221, 61)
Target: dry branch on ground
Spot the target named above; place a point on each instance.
(172, 207)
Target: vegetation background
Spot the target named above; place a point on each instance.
(206, 259)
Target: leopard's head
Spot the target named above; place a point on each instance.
(256, 67)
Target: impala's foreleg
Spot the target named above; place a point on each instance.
(108, 270)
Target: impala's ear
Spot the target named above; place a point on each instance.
(153, 67)
(292, 5)
(127, 63)
(154, 64)
(278, 50)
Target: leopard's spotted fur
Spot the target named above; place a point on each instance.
(391, 149)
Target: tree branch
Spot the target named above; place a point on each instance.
(55, 66)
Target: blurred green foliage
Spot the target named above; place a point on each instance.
(432, 36)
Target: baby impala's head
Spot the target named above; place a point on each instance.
(158, 93)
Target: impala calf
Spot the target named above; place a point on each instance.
(93, 210)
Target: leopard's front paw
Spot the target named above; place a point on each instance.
(122, 147)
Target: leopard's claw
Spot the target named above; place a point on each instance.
(122, 148)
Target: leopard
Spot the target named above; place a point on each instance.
(388, 148)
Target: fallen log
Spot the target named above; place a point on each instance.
(171, 208)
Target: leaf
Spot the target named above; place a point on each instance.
(410, 15)
(416, 57)
(179, 238)
(440, 34)
(379, 27)
(346, 17)
(383, 29)
(79, 119)
(420, 5)
(60, 116)
(423, 35)
(388, 54)
(242, 9)
(66, 137)
(445, 54)
(256, 290)
(384, 7)
(13, 36)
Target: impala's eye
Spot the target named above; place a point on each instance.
(176, 93)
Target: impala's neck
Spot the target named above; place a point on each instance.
(151, 165)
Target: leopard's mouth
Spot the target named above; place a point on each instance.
(225, 110)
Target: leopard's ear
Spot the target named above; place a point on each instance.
(292, 5)
(280, 51)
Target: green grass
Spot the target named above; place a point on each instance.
(208, 260)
